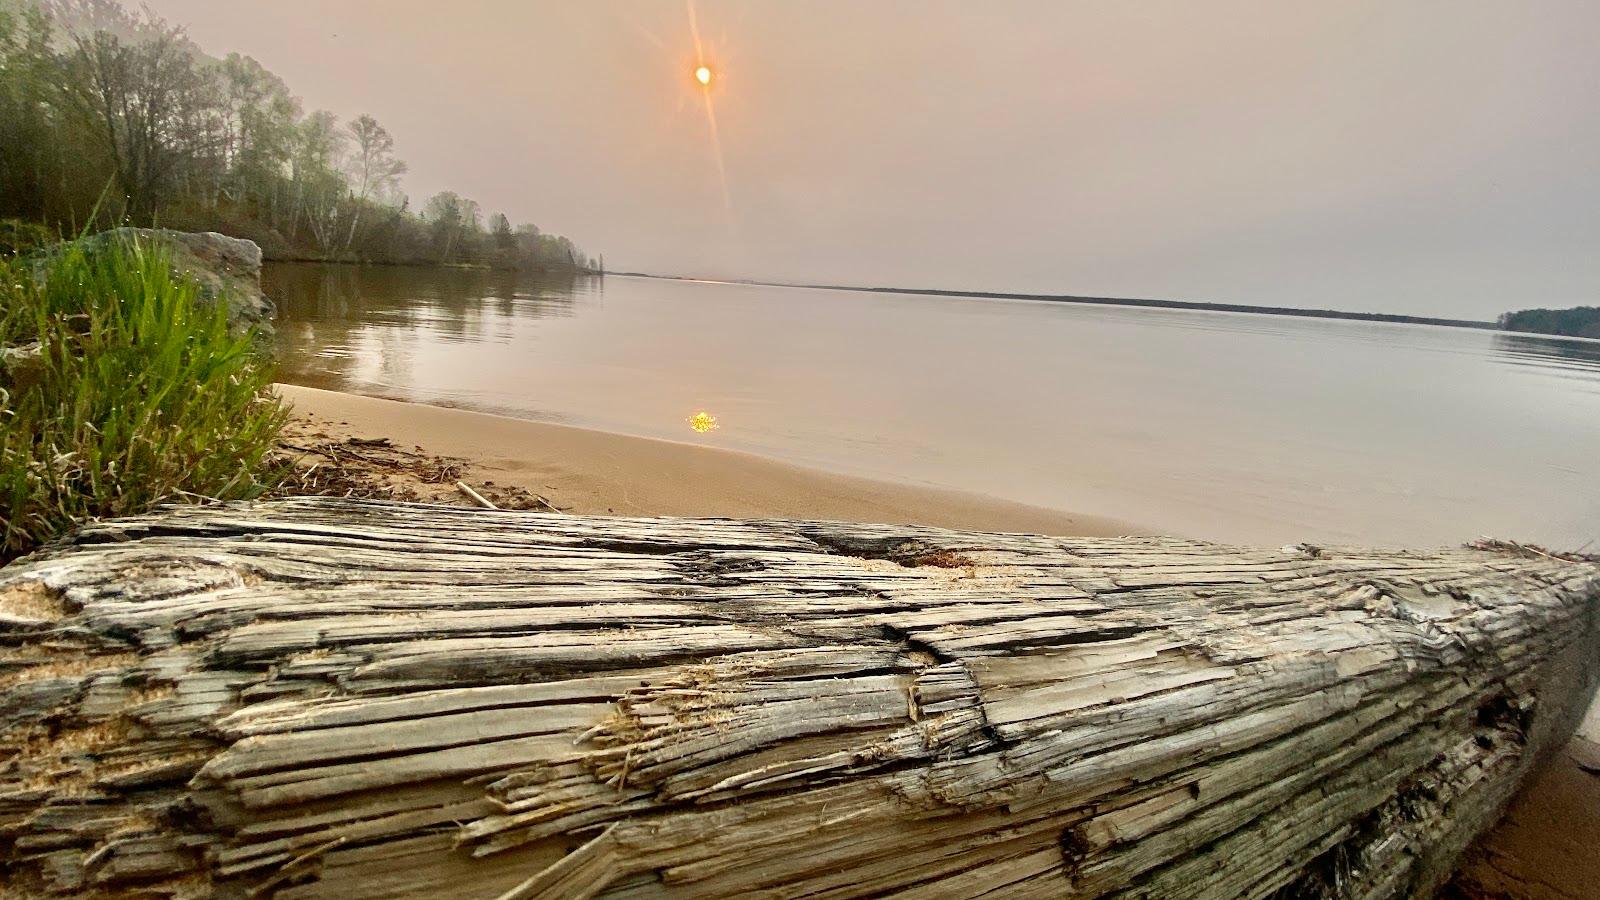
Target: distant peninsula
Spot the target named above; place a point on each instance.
(1579, 321)
(1107, 301)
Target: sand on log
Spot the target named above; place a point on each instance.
(346, 699)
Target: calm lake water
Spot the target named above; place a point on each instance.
(1219, 425)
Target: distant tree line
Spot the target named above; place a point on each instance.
(109, 116)
(1579, 321)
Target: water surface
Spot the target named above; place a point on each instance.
(1227, 426)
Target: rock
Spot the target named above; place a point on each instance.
(220, 266)
(21, 365)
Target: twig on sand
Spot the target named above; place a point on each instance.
(539, 499)
(376, 468)
(482, 500)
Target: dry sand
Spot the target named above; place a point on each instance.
(593, 472)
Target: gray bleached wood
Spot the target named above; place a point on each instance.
(322, 698)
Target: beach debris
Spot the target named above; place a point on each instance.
(310, 462)
(334, 698)
(476, 497)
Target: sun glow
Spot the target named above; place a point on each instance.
(704, 75)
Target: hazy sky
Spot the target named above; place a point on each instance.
(1430, 157)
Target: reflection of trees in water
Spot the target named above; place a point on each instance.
(394, 356)
(1522, 349)
(327, 313)
(312, 291)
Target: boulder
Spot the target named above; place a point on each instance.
(221, 267)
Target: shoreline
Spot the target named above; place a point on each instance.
(592, 472)
(1085, 300)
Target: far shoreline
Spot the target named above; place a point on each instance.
(1084, 300)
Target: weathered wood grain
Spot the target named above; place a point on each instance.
(318, 698)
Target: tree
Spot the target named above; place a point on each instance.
(374, 168)
(95, 96)
(29, 109)
(504, 239)
(1579, 321)
(373, 165)
(88, 16)
(319, 184)
(140, 97)
(259, 117)
(444, 213)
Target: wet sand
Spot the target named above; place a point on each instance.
(594, 472)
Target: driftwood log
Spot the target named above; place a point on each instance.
(315, 698)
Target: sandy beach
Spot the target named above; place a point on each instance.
(593, 472)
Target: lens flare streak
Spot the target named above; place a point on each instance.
(704, 74)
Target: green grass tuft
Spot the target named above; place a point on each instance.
(118, 391)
